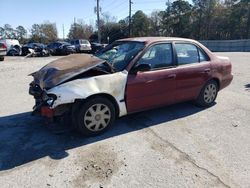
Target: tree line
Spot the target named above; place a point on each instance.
(201, 20)
(42, 33)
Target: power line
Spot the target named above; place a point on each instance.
(112, 2)
(121, 7)
(149, 2)
(148, 10)
(116, 5)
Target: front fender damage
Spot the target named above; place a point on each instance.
(111, 84)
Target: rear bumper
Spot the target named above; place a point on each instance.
(85, 48)
(3, 52)
(226, 81)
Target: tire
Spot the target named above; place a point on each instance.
(1, 58)
(208, 94)
(94, 116)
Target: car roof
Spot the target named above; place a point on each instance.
(156, 39)
(150, 40)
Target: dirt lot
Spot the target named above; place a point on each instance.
(175, 146)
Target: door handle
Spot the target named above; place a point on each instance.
(206, 71)
(171, 76)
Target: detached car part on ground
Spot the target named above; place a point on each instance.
(128, 76)
(3, 51)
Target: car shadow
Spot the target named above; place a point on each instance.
(25, 138)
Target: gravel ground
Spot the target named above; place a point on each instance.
(175, 146)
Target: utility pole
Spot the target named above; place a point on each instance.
(129, 26)
(168, 5)
(248, 22)
(98, 21)
(74, 28)
(63, 30)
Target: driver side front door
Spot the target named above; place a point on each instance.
(156, 87)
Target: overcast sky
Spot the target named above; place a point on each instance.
(62, 12)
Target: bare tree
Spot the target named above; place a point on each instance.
(80, 30)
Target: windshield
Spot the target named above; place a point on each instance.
(119, 54)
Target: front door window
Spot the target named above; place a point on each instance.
(158, 56)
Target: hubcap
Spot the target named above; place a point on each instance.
(97, 117)
(210, 93)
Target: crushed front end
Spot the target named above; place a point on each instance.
(43, 101)
(53, 74)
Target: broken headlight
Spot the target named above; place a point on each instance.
(49, 98)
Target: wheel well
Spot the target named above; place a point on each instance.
(217, 81)
(107, 96)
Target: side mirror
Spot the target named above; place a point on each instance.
(141, 68)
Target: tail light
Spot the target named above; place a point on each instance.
(4, 46)
(227, 68)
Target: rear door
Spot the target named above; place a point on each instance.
(155, 87)
(193, 70)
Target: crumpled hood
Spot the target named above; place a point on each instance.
(65, 68)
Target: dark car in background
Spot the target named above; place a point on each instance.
(95, 47)
(61, 48)
(81, 45)
(3, 50)
(37, 49)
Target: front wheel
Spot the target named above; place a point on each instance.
(208, 94)
(95, 116)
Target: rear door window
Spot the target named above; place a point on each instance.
(186, 53)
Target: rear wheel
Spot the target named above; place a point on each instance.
(95, 116)
(208, 94)
(1, 58)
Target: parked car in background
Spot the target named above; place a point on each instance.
(10, 43)
(95, 47)
(3, 51)
(128, 76)
(35, 50)
(61, 48)
(16, 50)
(81, 45)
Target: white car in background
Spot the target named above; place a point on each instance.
(10, 43)
(81, 45)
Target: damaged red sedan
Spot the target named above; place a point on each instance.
(128, 76)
